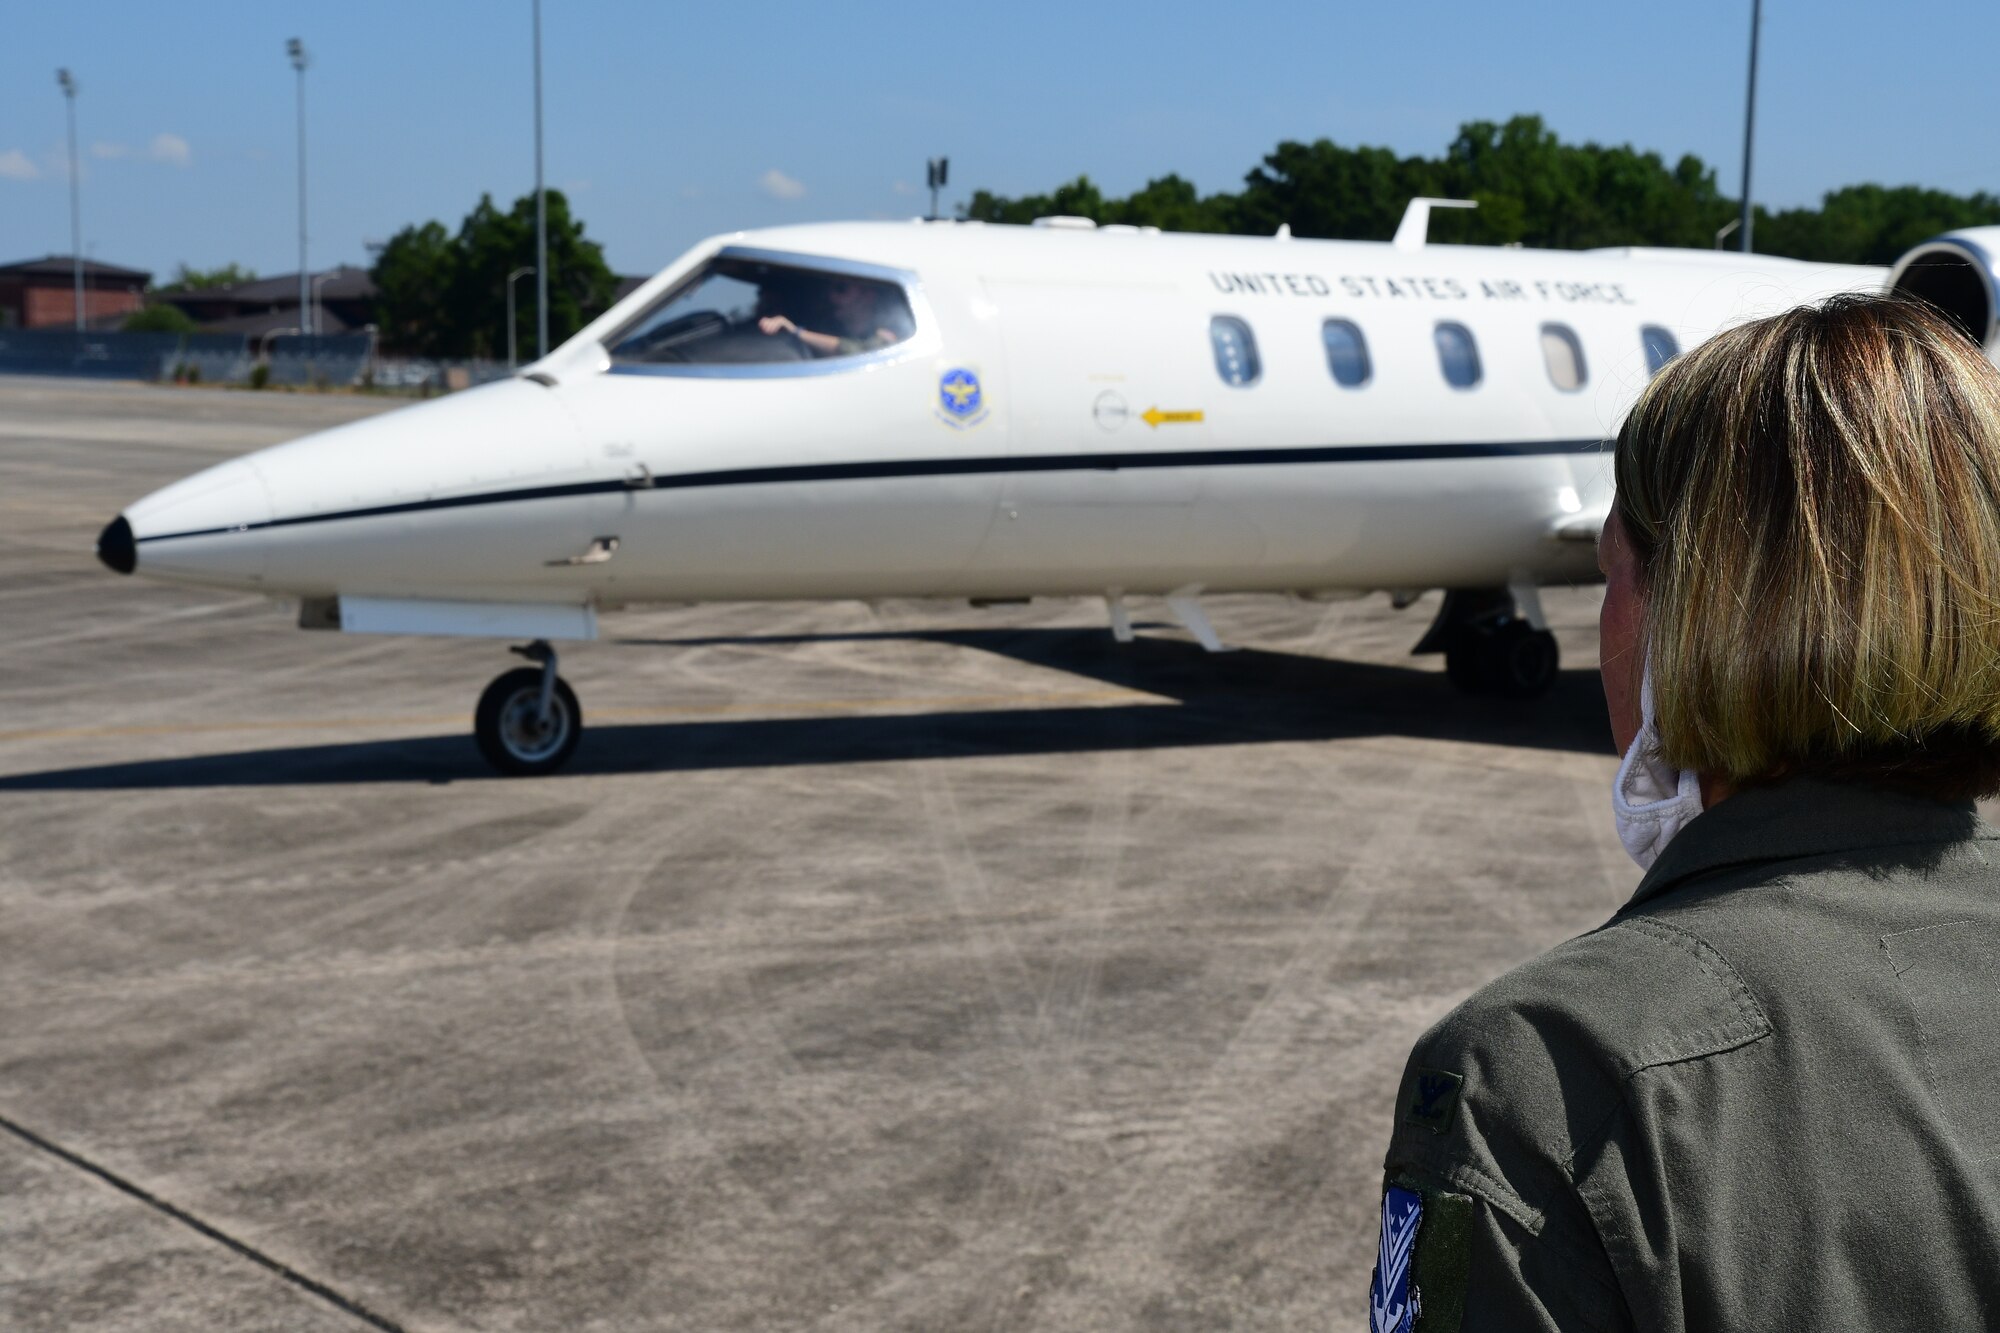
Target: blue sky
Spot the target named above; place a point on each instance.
(670, 122)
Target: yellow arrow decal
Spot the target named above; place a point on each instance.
(1153, 417)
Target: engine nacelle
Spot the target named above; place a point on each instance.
(1955, 272)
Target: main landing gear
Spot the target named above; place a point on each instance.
(528, 721)
(1494, 643)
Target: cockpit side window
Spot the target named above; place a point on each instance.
(741, 311)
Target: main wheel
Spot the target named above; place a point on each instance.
(513, 735)
(1510, 660)
(1464, 662)
(1518, 661)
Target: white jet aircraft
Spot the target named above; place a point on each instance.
(939, 409)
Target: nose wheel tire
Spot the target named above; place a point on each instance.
(512, 732)
(1511, 660)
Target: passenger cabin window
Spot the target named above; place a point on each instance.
(740, 311)
(1661, 347)
(1235, 350)
(1346, 352)
(1562, 353)
(1458, 355)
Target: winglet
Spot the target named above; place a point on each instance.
(1416, 223)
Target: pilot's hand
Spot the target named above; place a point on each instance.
(777, 324)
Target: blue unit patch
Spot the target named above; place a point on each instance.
(960, 401)
(1392, 1301)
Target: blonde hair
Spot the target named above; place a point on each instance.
(1814, 504)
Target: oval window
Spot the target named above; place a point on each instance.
(1235, 350)
(1562, 353)
(1458, 355)
(1346, 352)
(1661, 347)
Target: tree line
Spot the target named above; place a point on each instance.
(1532, 188)
(444, 294)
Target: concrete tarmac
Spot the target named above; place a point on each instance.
(906, 967)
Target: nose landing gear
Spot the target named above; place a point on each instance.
(528, 721)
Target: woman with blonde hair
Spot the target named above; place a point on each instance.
(1766, 1094)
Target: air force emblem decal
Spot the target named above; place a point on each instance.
(1392, 1300)
(961, 402)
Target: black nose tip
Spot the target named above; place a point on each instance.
(116, 548)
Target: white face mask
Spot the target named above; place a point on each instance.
(1650, 801)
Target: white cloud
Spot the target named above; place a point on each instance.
(780, 186)
(170, 148)
(107, 151)
(15, 166)
(902, 187)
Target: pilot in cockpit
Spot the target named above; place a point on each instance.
(743, 312)
(856, 320)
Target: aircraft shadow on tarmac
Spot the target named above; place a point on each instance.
(1252, 696)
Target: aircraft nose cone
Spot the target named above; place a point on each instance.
(116, 548)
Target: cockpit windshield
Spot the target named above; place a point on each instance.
(742, 311)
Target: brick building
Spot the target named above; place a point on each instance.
(41, 293)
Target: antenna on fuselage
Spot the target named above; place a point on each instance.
(1416, 223)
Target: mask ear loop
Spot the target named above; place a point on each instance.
(1667, 800)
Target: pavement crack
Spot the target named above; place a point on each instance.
(346, 1304)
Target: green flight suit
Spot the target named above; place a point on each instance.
(1765, 1095)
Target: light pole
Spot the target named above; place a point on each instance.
(296, 49)
(67, 83)
(318, 312)
(1750, 121)
(519, 272)
(935, 171)
(541, 209)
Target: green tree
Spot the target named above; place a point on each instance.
(412, 276)
(1532, 189)
(1168, 202)
(1871, 224)
(1323, 190)
(1536, 190)
(187, 279)
(1078, 199)
(1173, 204)
(160, 318)
(445, 295)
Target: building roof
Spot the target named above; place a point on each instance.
(65, 265)
(344, 283)
(280, 321)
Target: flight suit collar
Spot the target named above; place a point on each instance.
(1801, 818)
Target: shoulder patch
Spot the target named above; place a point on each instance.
(1420, 1280)
(1432, 1099)
(1392, 1304)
